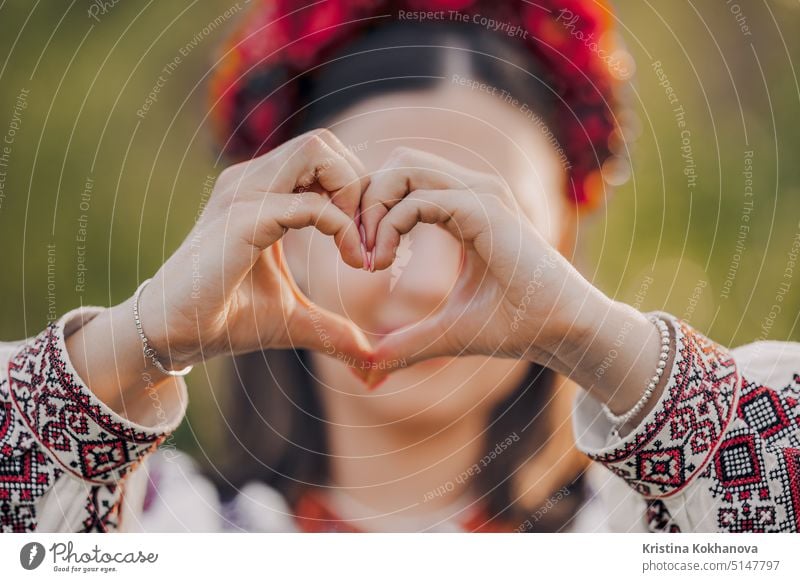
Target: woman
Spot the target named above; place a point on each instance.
(434, 271)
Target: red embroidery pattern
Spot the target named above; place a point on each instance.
(51, 424)
(756, 471)
(737, 442)
(102, 509)
(680, 436)
(26, 473)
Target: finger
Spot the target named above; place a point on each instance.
(262, 223)
(330, 164)
(317, 329)
(409, 345)
(462, 212)
(316, 157)
(349, 156)
(321, 213)
(407, 170)
(358, 166)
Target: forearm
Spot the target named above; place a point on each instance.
(107, 354)
(613, 353)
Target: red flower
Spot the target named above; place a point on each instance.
(434, 5)
(314, 28)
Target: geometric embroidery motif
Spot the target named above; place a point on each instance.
(102, 509)
(659, 519)
(739, 441)
(756, 477)
(761, 409)
(738, 462)
(741, 485)
(792, 488)
(664, 466)
(677, 439)
(77, 429)
(98, 458)
(51, 423)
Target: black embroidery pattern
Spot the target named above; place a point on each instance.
(51, 424)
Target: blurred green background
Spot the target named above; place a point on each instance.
(701, 248)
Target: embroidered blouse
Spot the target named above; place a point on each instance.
(720, 450)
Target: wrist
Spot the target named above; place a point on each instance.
(159, 341)
(578, 334)
(614, 355)
(140, 369)
(600, 340)
(107, 356)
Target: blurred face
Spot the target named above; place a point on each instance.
(473, 129)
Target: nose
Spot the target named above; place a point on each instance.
(423, 274)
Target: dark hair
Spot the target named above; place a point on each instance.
(412, 56)
(273, 432)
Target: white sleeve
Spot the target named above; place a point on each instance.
(720, 451)
(64, 454)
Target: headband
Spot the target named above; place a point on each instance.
(255, 93)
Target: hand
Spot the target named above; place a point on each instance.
(226, 290)
(516, 297)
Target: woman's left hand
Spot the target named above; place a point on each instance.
(516, 296)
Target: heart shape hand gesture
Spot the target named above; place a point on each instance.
(227, 288)
(516, 296)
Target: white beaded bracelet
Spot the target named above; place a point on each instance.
(149, 351)
(622, 420)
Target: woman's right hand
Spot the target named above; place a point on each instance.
(226, 290)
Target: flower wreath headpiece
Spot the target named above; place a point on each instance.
(255, 91)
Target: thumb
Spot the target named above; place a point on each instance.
(328, 333)
(408, 345)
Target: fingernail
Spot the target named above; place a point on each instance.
(364, 257)
(372, 261)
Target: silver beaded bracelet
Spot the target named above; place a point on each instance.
(149, 351)
(622, 420)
